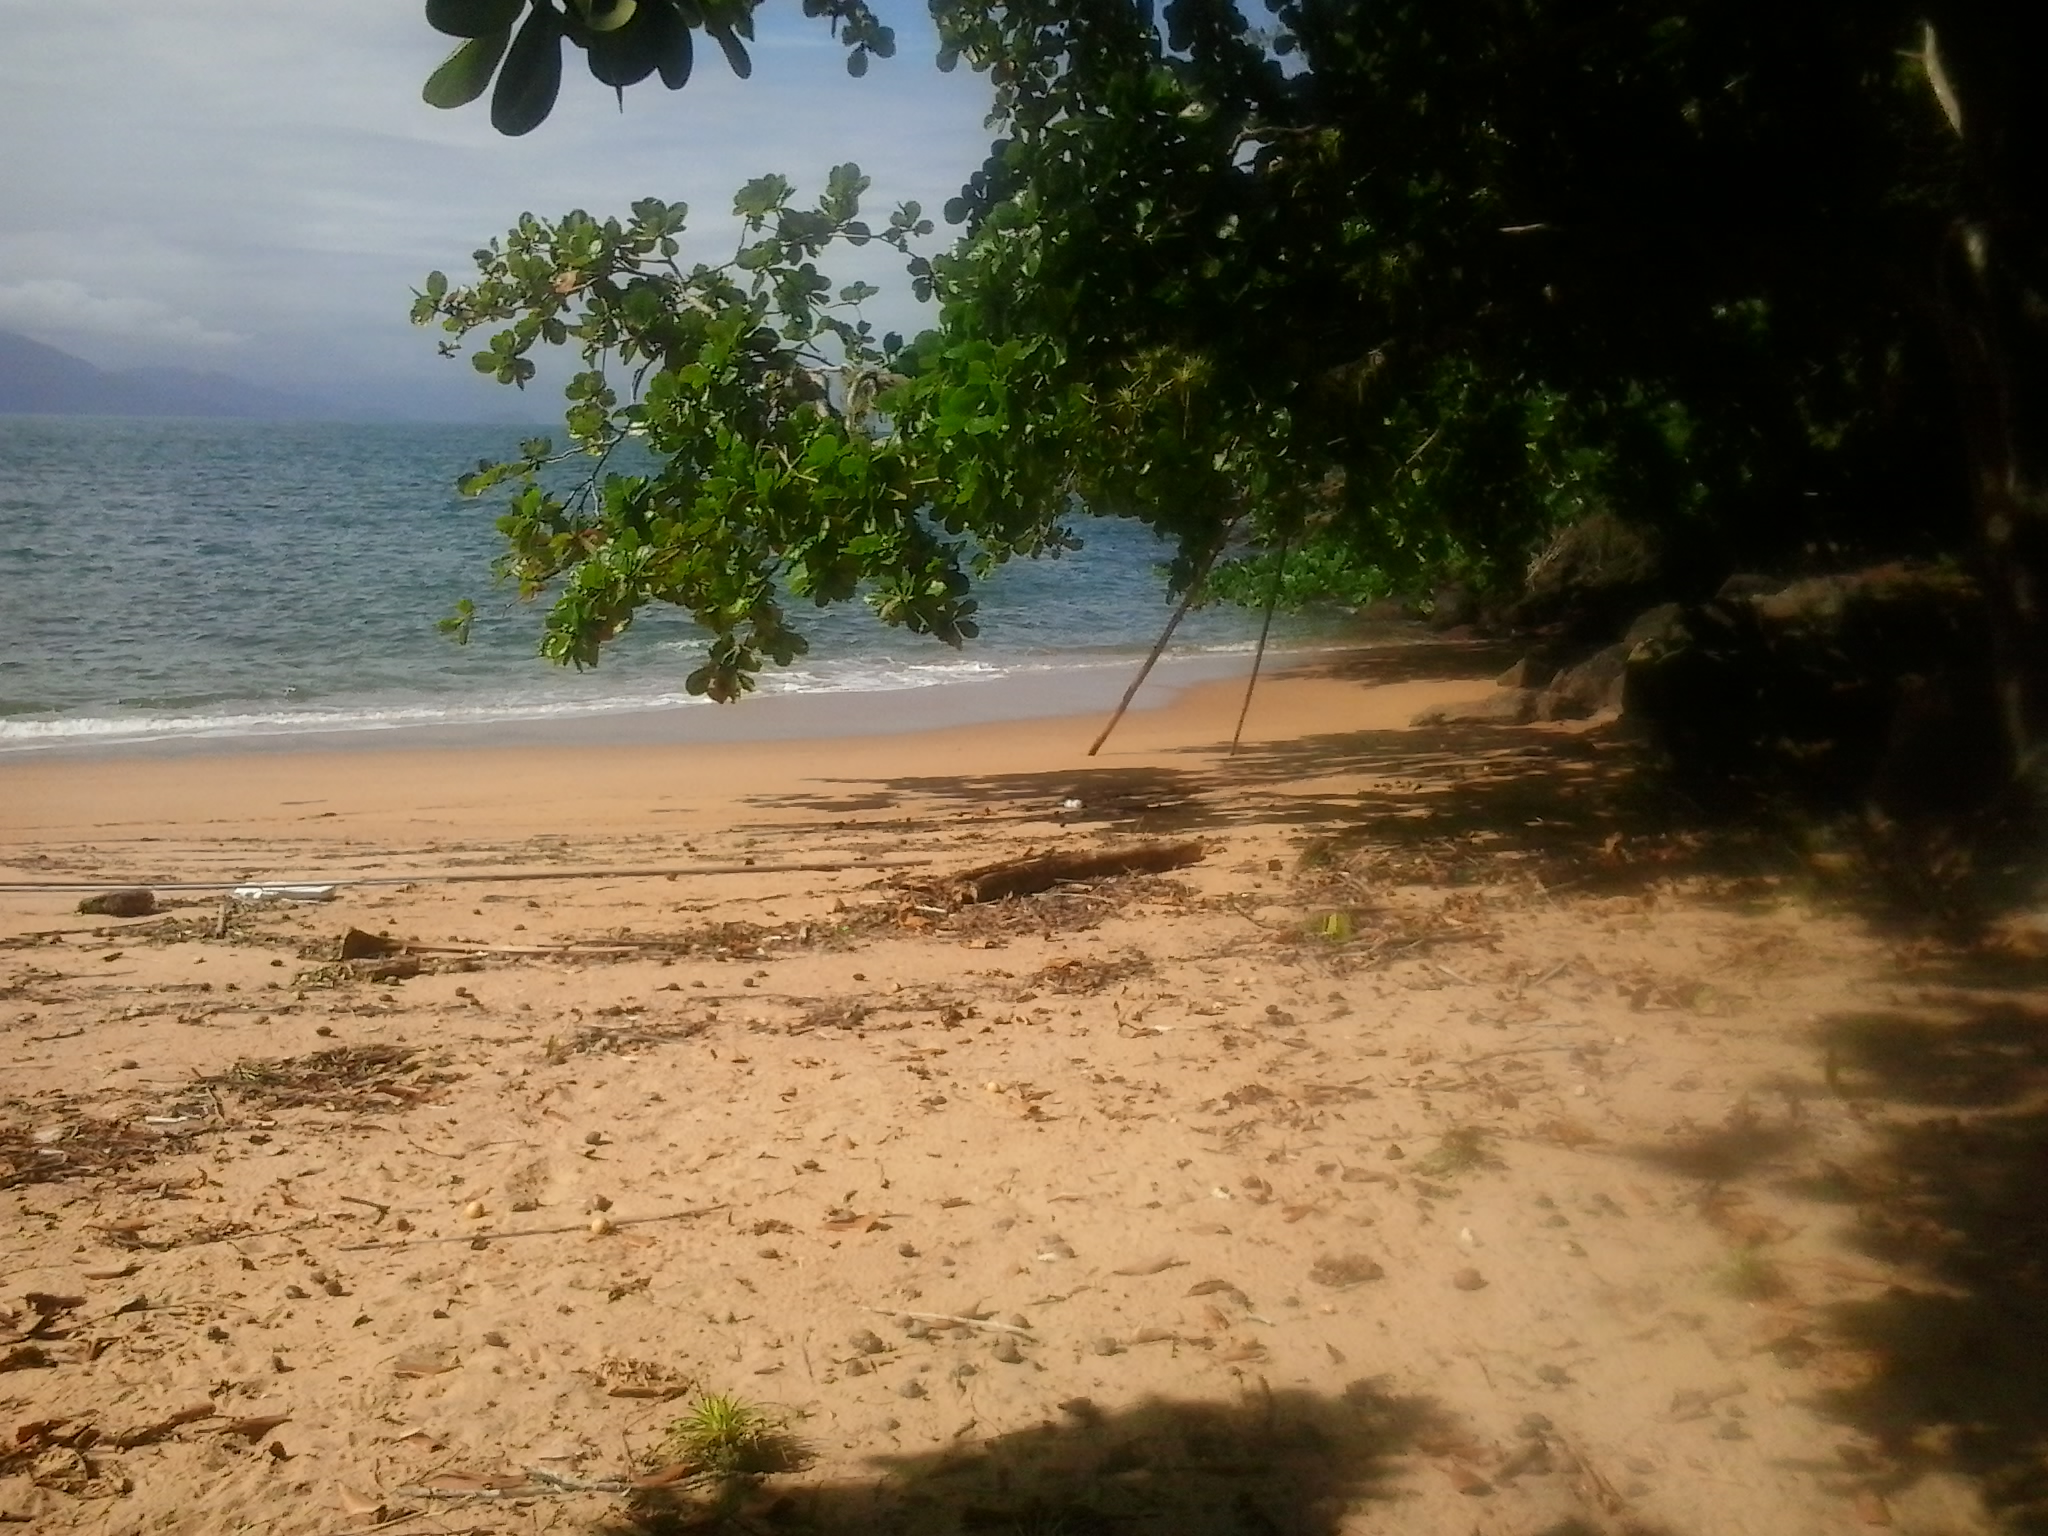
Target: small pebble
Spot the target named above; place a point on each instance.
(495, 1339)
(601, 1225)
(917, 1329)
(1018, 1320)
(593, 1138)
(526, 1204)
(867, 1342)
(474, 1210)
(964, 1370)
(601, 1203)
(1106, 1346)
(857, 1367)
(907, 1250)
(1006, 1350)
(911, 1389)
(126, 1066)
(1469, 1280)
(1394, 1152)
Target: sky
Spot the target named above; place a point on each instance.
(256, 189)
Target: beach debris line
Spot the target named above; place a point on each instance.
(1032, 873)
(369, 1076)
(471, 876)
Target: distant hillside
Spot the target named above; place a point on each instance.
(40, 380)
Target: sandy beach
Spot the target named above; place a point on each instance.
(1457, 1145)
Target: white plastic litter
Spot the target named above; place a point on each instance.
(283, 893)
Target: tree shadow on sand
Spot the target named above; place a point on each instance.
(1286, 1463)
(1471, 801)
(1957, 1195)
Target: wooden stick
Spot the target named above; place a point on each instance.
(947, 1317)
(1187, 601)
(1259, 655)
(499, 1237)
(1041, 872)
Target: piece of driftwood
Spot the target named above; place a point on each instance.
(1041, 872)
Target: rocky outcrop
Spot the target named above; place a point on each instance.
(1868, 686)
(1590, 578)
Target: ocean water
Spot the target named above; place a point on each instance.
(214, 580)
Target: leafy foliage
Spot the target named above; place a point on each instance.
(624, 42)
(1406, 286)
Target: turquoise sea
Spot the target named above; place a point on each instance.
(219, 581)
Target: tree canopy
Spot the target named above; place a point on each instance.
(1412, 284)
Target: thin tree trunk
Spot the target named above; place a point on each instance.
(1989, 66)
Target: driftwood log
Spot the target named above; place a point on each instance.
(1041, 872)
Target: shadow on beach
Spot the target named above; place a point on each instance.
(1575, 808)
(1957, 1196)
(1287, 1463)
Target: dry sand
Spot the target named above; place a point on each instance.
(1453, 1149)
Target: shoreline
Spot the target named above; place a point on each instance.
(1057, 690)
(177, 810)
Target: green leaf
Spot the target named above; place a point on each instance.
(467, 71)
(626, 55)
(735, 51)
(531, 78)
(674, 51)
(473, 18)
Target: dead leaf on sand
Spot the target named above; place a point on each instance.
(858, 1222)
(424, 1362)
(1154, 1266)
(256, 1426)
(1340, 1270)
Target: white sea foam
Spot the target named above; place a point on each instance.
(873, 674)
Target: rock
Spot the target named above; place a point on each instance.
(358, 945)
(1007, 1351)
(132, 901)
(1652, 624)
(1869, 687)
(1529, 672)
(1469, 1280)
(1590, 577)
(1592, 687)
(1504, 706)
(1452, 606)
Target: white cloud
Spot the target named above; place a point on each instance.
(270, 170)
(56, 309)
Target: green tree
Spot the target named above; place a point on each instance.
(1408, 283)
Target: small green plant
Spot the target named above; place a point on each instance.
(1461, 1150)
(727, 1437)
(1748, 1274)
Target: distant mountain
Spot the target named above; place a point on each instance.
(42, 381)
